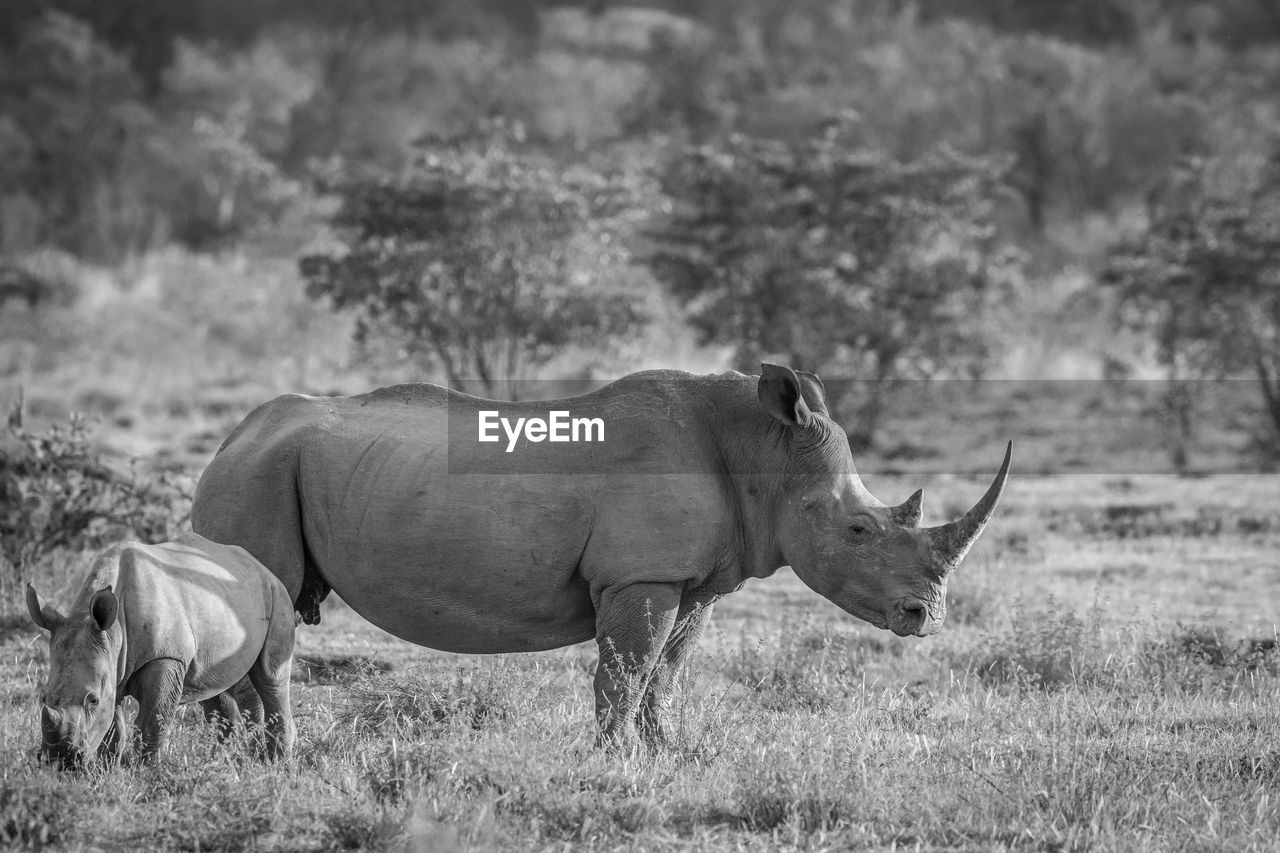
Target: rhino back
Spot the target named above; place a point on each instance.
(205, 604)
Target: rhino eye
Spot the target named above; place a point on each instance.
(862, 527)
(91, 701)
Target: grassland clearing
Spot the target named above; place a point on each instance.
(1093, 690)
(1107, 678)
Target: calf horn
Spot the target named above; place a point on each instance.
(950, 542)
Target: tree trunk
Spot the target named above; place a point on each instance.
(1271, 396)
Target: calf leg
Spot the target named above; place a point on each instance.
(248, 702)
(632, 627)
(239, 704)
(693, 616)
(158, 688)
(221, 711)
(270, 676)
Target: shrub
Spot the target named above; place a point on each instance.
(1196, 657)
(56, 491)
(1045, 650)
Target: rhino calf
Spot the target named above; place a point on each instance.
(160, 625)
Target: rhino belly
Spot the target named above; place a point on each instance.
(476, 573)
(470, 606)
(227, 645)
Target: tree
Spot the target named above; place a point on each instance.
(837, 259)
(485, 260)
(1203, 279)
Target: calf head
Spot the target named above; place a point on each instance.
(78, 701)
(872, 560)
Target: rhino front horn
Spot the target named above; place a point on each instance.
(950, 542)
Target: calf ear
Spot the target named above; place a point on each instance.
(42, 614)
(780, 393)
(103, 608)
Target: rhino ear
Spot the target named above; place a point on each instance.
(780, 393)
(43, 615)
(813, 391)
(103, 608)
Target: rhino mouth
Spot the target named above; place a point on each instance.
(911, 617)
(61, 752)
(63, 757)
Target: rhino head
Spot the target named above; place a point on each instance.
(78, 701)
(872, 560)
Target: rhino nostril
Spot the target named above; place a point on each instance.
(913, 608)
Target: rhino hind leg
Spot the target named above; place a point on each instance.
(238, 705)
(270, 676)
(315, 589)
(220, 711)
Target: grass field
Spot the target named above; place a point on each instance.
(1107, 680)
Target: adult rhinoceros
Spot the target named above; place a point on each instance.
(701, 482)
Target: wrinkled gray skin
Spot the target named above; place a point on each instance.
(702, 482)
(154, 626)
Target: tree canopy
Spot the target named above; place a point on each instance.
(836, 258)
(484, 259)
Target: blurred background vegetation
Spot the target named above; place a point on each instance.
(208, 203)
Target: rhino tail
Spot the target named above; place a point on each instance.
(315, 589)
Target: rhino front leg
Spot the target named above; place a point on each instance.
(157, 686)
(633, 624)
(693, 617)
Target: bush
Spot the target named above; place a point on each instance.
(1046, 650)
(1194, 658)
(56, 491)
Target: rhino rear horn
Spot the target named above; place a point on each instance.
(950, 542)
(909, 512)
